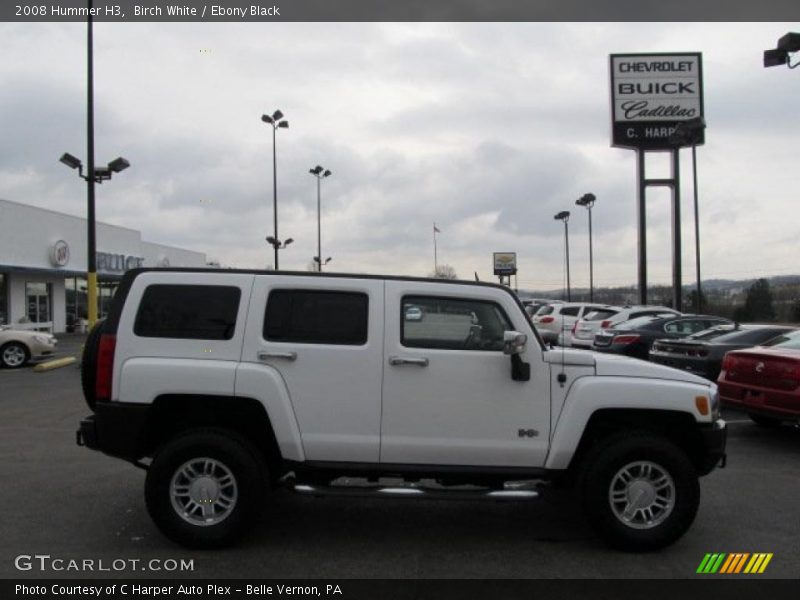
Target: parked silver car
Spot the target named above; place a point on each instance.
(17, 346)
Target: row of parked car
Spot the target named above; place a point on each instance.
(756, 366)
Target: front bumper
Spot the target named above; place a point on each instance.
(715, 438)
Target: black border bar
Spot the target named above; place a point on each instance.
(403, 10)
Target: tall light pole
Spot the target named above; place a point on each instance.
(320, 174)
(564, 216)
(691, 132)
(275, 122)
(587, 200)
(93, 175)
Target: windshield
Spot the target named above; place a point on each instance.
(547, 309)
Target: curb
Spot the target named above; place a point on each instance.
(54, 364)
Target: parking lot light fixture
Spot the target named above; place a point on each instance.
(93, 175)
(71, 161)
(781, 55)
(587, 201)
(320, 173)
(564, 216)
(275, 122)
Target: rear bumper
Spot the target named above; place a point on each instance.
(715, 438)
(116, 429)
(751, 399)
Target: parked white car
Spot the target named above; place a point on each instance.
(607, 316)
(553, 319)
(17, 346)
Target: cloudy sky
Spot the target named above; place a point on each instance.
(487, 129)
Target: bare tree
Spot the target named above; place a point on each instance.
(444, 272)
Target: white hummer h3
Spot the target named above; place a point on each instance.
(226, 385)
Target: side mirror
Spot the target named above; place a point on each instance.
(514, 342)
(514, 345)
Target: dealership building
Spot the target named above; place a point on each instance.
(43, 265)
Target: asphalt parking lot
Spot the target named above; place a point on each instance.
(75, 504)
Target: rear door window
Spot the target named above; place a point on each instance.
(317, 317)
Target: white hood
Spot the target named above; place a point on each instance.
(624, 366)
(618, 365)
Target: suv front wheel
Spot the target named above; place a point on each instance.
(640, 491)
(206, 487)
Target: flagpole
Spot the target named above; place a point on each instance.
(435, 253)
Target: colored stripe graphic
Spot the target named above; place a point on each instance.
(711, 563)
(758, 563)
(729, 564)
(734, 563)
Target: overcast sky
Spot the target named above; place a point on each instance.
(486, 129)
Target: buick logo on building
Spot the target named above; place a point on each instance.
(59, 254)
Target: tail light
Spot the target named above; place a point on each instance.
(574, 327)
(105, 367)
(701, 352)
(729, 363)
(625, 339)
(605, 324)
(546, 320)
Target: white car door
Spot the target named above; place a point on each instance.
(324, 338)
(448, 395)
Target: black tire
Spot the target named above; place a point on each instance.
(89, 363)
(764, 421)
(634, 452)
(10, 352)
(241, 460)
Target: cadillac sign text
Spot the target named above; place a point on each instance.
(651, 94)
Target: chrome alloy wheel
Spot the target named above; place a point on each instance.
(642, 495)
(13, 355)
(203, 491)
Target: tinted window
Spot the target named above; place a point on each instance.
(570, 311)
(454, 324)
(316, 317)
(195, 312)
(547, 309)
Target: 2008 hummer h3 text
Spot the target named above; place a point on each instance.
(227, 384)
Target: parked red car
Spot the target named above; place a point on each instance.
(764, 381)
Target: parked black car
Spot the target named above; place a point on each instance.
(635, 337)
(704, 356)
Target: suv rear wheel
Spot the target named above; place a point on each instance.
(640, 491)
(206, 487)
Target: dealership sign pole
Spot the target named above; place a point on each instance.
(651, 94)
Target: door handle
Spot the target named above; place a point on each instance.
(397, 361)
(284, 355)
